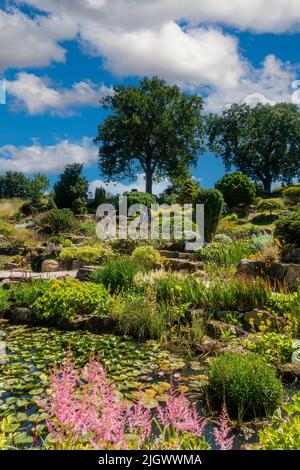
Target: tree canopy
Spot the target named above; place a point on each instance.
(263, 142)
(154, 128)
(71, 189)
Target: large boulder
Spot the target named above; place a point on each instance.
(258, 316)
(177, 264)
(290, 372)
(50, 266)
(216, 328)
(291, 256)
(282, 273)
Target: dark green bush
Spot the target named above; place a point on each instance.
(116, 274)
(293, 194)
(213, 207)
(237, 189)
(247, 385)
(3, 300)
(288, 229)
(56, 221)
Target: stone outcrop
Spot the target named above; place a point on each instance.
(50, 266)
(290, 372)
(291, 256)
(216, 328)
(258, 316)
(283, 273)
(84, 273)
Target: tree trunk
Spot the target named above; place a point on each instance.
(268, 185)
(149, 181)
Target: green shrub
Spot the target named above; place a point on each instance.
(60, 240)
(127, 246)
(222, 238)
(5, 228)
(270, 205)
(3, 299)
(65, 300)
(87, 228)
(140, 198)
(116, 274)
(176, 289)
(25, 294)
(237, 189)
(213, 208)
(292, 194)
(275, 348)
(86, 254)
(188, 192)
(283, 434)
(226, 254)
(247, 385)
(147, 257)
(140, 318)
(56, 221)
(288, 229)
(258, 242)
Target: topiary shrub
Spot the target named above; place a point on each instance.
(270, 205)
(56, 221)
(237, 189)
(147, 257)
(292, 194)
(246, 384)
(213, 207)
(65, 300)
(288, 229)
(140, 198)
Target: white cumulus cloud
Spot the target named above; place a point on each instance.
(115, 187)
(37, 95)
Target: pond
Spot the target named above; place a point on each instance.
(28, 353)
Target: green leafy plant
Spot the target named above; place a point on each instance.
(275, 348)
(86, 254)
(226, 254)
(246, 384)
(65, 300)
(25, 294)
(213, 208)
(3, 299)
(283, 434)
(147, 257)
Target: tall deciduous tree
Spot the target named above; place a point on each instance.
(154, 128)
(71, 189)
(262, 142)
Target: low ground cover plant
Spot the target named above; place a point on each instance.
(85, 254)
(283, 433)
(147, 257)
(274, 347)
(25, 294)
(246, 384)
(65, 300)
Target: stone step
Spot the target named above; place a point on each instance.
(177, 264)
(85, 272)
(178, 255)
(29, 275)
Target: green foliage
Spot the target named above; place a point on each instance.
(213, 207)
(100, 197)
(71, 189)
(139, 317)
(37, 188)
(283, 303)
(226, 254)
(128, 245)
(292, 194)
(87, 228)
(135, 197)
(3, 299)
(270, 205)
(288, 229)
(6, 229)
(86, 254)
(14, 185)
(60, 240)
(237, 189)
(147, 257)
(261, 141)
(56, 221)
(258, 242)
(116, 274)
(188, 192)
(283, 434)
(247, 385)
(65, 300)
(153, 127)
(25, 294)
(275, 348)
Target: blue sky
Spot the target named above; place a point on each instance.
(58, 57)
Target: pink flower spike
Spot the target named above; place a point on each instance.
(221, 433)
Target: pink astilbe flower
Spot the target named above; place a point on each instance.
(139, 420)
(221, 433)
(179, 415)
